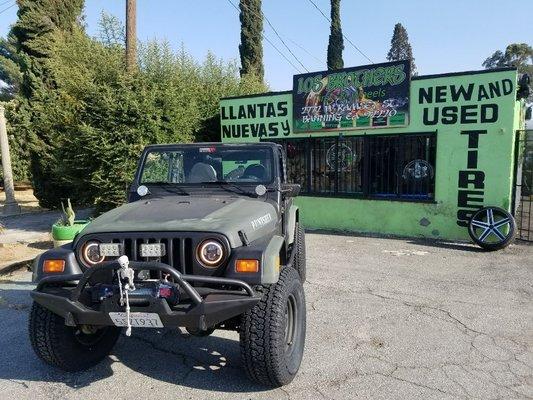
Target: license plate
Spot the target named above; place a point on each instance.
(137, 319)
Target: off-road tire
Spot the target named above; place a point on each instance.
(299, 247)
(267, 358)
(57, 344)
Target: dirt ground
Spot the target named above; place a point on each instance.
(21, 252)
(13, 249)
(25, 198)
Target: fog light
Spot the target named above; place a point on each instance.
(247, 266)
(53, 266)
(110, 249)
(153, 250)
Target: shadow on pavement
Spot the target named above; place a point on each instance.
(210, 363)
(447, 245)
(463, 246)
(42, 245)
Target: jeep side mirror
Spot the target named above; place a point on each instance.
(290, 189)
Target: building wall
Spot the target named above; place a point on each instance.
(461, 186)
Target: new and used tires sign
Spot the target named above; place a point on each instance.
(372, 96)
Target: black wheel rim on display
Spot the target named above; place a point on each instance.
(491, 228)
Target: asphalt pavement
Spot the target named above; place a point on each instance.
(387, 319)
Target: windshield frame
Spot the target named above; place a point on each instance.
(270, 147)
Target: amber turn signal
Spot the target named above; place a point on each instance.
(247, 266)
(53, 266)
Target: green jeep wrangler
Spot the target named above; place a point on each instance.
(210, 239)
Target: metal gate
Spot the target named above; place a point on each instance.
(524, 186)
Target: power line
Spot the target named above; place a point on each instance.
(5, 2)
(283, 55)
(270, 42)
(305, 50)
(286, 37)
(280, 38)
(343, 35)
(7, 8)
(276, 32)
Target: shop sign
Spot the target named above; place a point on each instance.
(259, 117)
(366, 97)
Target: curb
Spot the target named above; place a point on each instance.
(16, 266)
(24, 213)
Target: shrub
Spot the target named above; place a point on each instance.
(87, 133)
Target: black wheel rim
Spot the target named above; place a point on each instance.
(291, 326)
(491, 226)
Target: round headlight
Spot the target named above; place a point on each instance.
(90, 253)
(210, 253)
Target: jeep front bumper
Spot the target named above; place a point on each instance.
(199, 308)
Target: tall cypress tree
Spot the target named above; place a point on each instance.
(401, 48)
(33, 35)
(251, 47)
(336, 42)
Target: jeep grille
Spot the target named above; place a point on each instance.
(179, 250)
(179, 246)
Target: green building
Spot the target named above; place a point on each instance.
(377, 151)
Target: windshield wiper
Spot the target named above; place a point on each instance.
(170, 188)
(228, 186)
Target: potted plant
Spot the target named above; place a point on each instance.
(67, 227)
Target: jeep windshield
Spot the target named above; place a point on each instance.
(211, 164)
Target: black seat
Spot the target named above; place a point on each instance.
(255, 170)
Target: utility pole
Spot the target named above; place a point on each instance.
(11, 206)
(131, 34)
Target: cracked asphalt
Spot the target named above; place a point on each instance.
(387, 319)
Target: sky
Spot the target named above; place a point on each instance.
(446, 36)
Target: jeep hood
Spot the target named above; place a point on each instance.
(224, 215)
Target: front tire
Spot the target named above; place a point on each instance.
(66, 347)
(272, 333)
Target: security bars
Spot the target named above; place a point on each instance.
(394, 167)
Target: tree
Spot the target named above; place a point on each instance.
(33, 34)
(251, 46)
(519, 55)
(85, 120)
(401, 48)
(10, 69)
(98, 117)
(33, 37)
(24, 76)
(336, 43)
(112, 31)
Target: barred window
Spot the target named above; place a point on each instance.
(377, 166)
(401, 166)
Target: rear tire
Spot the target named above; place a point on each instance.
(68, 347)
(299, 258)
(272, 333)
